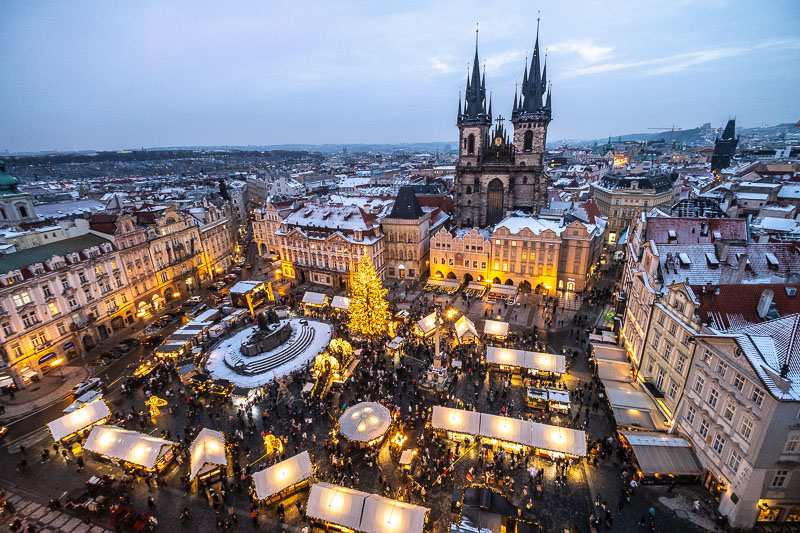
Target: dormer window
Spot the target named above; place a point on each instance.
(772, 261)
(685, 261)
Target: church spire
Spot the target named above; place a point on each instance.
(490, 106)
(534, 81)
(459, 104)
(475, 97)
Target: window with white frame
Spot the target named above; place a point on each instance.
(699, 383)
(690, 414)
(656, 340)
(673, 389)
(734, 460)
(713, 397)
(757, 396)
(738, 381)
(779, 481)
(667, 351)
(746, 428)
(707, 357)
(680, 363)
(792, 445)
(730, 410)
(703, 429)
(719, 443)
(21, 298)
(722, 368)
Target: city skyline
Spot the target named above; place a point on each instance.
(99, 76)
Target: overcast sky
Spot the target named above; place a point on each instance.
(108, 75)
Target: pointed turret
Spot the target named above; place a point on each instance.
(490, 106)
(547, 104)
(534, 81)
(475, 97)
(514, 109)
(459, 105)
(730, 129)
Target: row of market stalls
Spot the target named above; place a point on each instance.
(465, 328)
(185, 339)
(342, 507)
(548, 364)
(512, 433)
(442, 285)
(496, 292)
(659, 457)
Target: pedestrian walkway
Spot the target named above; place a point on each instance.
(37, 395)
(44, 520)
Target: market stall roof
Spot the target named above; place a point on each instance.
(89, 414)
(130, 446)
(282, 475)
(505, 356)
(395, 343)
(382, 515)
(628, 397)
(506, 429)
(172, 347)
(506, 290)
(335, 504)
(314, 298)
(427, 324)
(6, 381)
(245, 286)
(476, 285)
(659, 453)
(546, 362)
(456, 420)
(614, 371)
(558, 439)
(496, 327)
(607, 352)
(402, 314)
(340, 302)
(641, 418)
(444, 283)
(208, 448)
(365, 421)
(465, 327)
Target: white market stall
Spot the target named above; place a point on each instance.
(80, 419)
(341, 302)
(505, 429)
(337, 505)
(442, 285)
(534, 362)
(427, 326)
(557, 441)
(283, 479)
(130, 447)
(456, 423)
(314, 298)
(465, 330)
(208, 455)
(496, 328)
(501, 292)
(384, 515)
(395, 343)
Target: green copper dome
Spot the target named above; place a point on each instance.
(8, 183)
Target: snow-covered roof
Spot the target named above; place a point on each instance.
(207, 450)
(89, 414)
(282, 475)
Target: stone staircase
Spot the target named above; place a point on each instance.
(298, 342)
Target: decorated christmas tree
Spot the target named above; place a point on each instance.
(369, 310)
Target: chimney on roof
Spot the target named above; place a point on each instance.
(742, 258)
(764, 303)
(722, 248)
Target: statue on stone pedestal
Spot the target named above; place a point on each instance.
(263, 322)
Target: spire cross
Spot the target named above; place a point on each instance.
(499, 120)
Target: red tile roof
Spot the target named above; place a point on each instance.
(735, 305)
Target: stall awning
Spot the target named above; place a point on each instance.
(607, 352)
(540, 361)
(614, 371)
(659, 453)
(628, 398)
(443, 283)
(502, 291)
(6, 381)
(169, 348)
(640, 418)
(336, 505)
(506, 429)
(340, 302)
(382, 515)
(28, 373)
(476, 285)
(364, 512)
(495, 327)
(402, 314)
(314, 298)
(129, 446)
(277, 477)
(558, 439)
(208, 448)
(89, 414)
(456, 420)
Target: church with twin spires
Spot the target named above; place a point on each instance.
(499, 172)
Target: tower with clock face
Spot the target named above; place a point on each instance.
(496, 175)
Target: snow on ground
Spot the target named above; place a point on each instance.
(219, 370)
